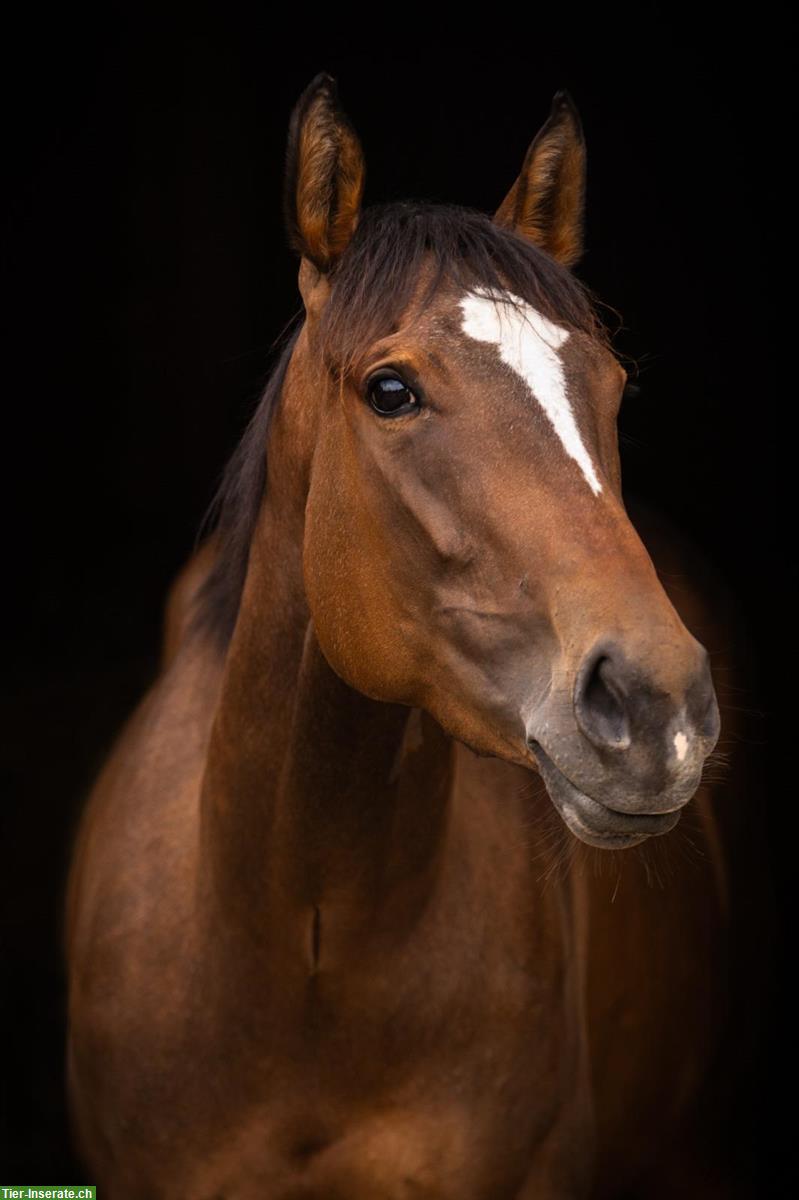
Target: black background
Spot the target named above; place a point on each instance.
(146, 278)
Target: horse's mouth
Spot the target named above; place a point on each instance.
(593, 822)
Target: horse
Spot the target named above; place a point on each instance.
(391, 886)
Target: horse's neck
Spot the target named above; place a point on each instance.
(320, 806)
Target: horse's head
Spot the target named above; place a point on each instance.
(466, 545)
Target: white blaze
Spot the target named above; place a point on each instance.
(680, 745)
(529, 343)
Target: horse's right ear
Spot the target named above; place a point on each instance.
(325, 175)
(546, 203)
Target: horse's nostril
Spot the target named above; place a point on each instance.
(600, 706)
(618, 699)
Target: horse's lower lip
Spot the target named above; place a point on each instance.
(594, 822)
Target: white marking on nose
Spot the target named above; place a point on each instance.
(680, 745)
(529, 343)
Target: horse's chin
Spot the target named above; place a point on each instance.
(593, 822)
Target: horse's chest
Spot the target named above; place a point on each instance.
(384, 1085)
(442, 1148)
(461, 1110)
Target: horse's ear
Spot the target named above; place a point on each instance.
(547, 201)
(324, 175)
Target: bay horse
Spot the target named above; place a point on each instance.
(389, 888)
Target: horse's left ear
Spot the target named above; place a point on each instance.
(325, 175)
(546, 203)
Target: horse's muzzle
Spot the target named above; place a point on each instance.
(594, 822)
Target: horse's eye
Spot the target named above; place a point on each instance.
(390, 397)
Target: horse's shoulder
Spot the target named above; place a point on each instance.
(130, 852)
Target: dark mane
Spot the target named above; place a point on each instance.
(234, 509)
(374, 282)
(372, 285)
